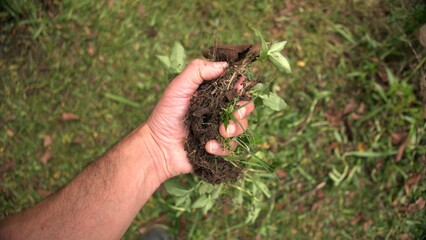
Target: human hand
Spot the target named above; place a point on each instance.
(166, 124)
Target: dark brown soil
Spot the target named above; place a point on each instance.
(204, 117)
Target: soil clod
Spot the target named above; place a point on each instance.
(204, 117)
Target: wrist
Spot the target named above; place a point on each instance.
(153, 152)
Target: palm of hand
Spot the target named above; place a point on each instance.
(167, 120)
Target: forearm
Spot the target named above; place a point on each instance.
(101, 201)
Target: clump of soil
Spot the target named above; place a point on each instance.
(204, 116)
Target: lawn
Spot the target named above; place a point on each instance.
(346, 159)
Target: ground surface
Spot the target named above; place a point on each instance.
(349, 151)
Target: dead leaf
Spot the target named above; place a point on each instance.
(319, 195)
(281, 173)
(280, 206)
(47, 141)
(226, 210)
(68, 117)
(350, 107)
(400, 153)
(141, 11)
(6, 167)
(398, 138)
(361, 146)
(301, 64)
(111, 3)
(264, 145)
(86, 30)
(379, 165)
(289, 6)
(366, 225)
(316, 206)
(299, 187)
(362, 108)
(334, 118)
(101, 58)
(396, 201)
(78, 140)
(420, 203)
(9, 133)
(355, 116)
(46, 156)
(382, 75)
(417, 206)
(410, 182)
(91, 49)
(404, 236)
(90, 35)
(93, 35)
(57, 174)
(331, 146)
(275, 31)
(357, 218)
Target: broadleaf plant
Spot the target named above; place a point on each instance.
(176, 61)
(252, 189)
(273, 101)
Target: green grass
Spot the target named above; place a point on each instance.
(98, 60)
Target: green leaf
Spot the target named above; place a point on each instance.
(346, 33)
(164, 60)
(181, 200)
(391, 77)
(177, 58)
(258, 87)
(172, 188)
(264, 51)
(187, 203)
(253, 214)
(381, 91)
(201, 202)
(273, 101)
(370, 154)
(217, 192)
(225, 118)
(122, 100)
(263, 188)
(206, 188)
(208, 206)
(280, 62)
(277, 47)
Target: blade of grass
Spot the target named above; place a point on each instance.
(122, 100)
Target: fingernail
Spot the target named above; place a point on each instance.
(230, 129)
(220, 64)
(212, 146)
(241, 112)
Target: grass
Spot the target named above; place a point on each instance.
(338, 175)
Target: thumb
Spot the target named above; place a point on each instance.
(195, 73)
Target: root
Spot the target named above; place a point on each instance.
(204, 116)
